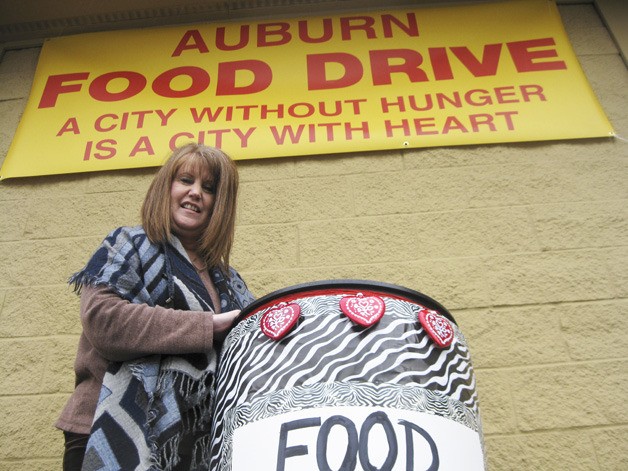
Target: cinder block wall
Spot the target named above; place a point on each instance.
(526, 244)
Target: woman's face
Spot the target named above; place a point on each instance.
(191, 201)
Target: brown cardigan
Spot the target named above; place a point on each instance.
(116, 330)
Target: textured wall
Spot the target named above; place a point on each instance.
(526, 244)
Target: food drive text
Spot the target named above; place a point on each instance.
(313, 118)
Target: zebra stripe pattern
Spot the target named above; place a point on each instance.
(327, 360)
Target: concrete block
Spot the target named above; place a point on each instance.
(604, 164)
(496, 405)
(563, 155)
(43, 187)
(563, 450)
(322, 198)
(10, 113)
(584, 394)
(265, 282)
(585, 29)
(43, 262)
(294, 200)
(601, 178)
(27, 427)
(271, 280)
(349, 164)
(17, 70)
(509, 337)
(398, 273)
(260, 203)
(581, 225)
(611, 448)
(538, 181)
(554, 179)
(607, 75)
(126, 180)
(57, 217)
(451, 282)
(413, 237)
(14, 221)
(256, 170)
(409, 191)
(456, 283)
(357, 241)
(32, 465)
(595, 331)
(616, 259)
(266, 247)
(58, 376)
(498, 184)
(547, 277)
(23, 368)
(472, 233)
(39, 311)
(458, 156)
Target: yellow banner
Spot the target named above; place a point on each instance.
(485, 73)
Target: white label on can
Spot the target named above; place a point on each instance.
(357, 438)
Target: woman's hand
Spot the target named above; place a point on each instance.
(223, 322)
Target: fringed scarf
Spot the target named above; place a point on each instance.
(154, 413)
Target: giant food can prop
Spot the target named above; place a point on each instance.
(346, 375)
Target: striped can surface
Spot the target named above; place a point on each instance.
(333, 394)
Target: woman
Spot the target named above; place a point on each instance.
(154, 299)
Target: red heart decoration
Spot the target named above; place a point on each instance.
(278, 321)
(437, 327)
(363, 310)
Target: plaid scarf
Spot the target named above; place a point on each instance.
(153, 408)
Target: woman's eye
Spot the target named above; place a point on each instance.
(186, 180)
(208, 188)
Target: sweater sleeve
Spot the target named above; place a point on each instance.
(120, 330)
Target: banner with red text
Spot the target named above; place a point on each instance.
(352, 82)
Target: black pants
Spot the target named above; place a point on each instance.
(75, 444)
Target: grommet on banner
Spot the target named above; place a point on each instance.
(280, 320)
(437, 327)
(363, 310)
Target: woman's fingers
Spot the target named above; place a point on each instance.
(223, 322)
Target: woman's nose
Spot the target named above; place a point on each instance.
(195, 190)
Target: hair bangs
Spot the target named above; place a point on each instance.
(201, 162)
